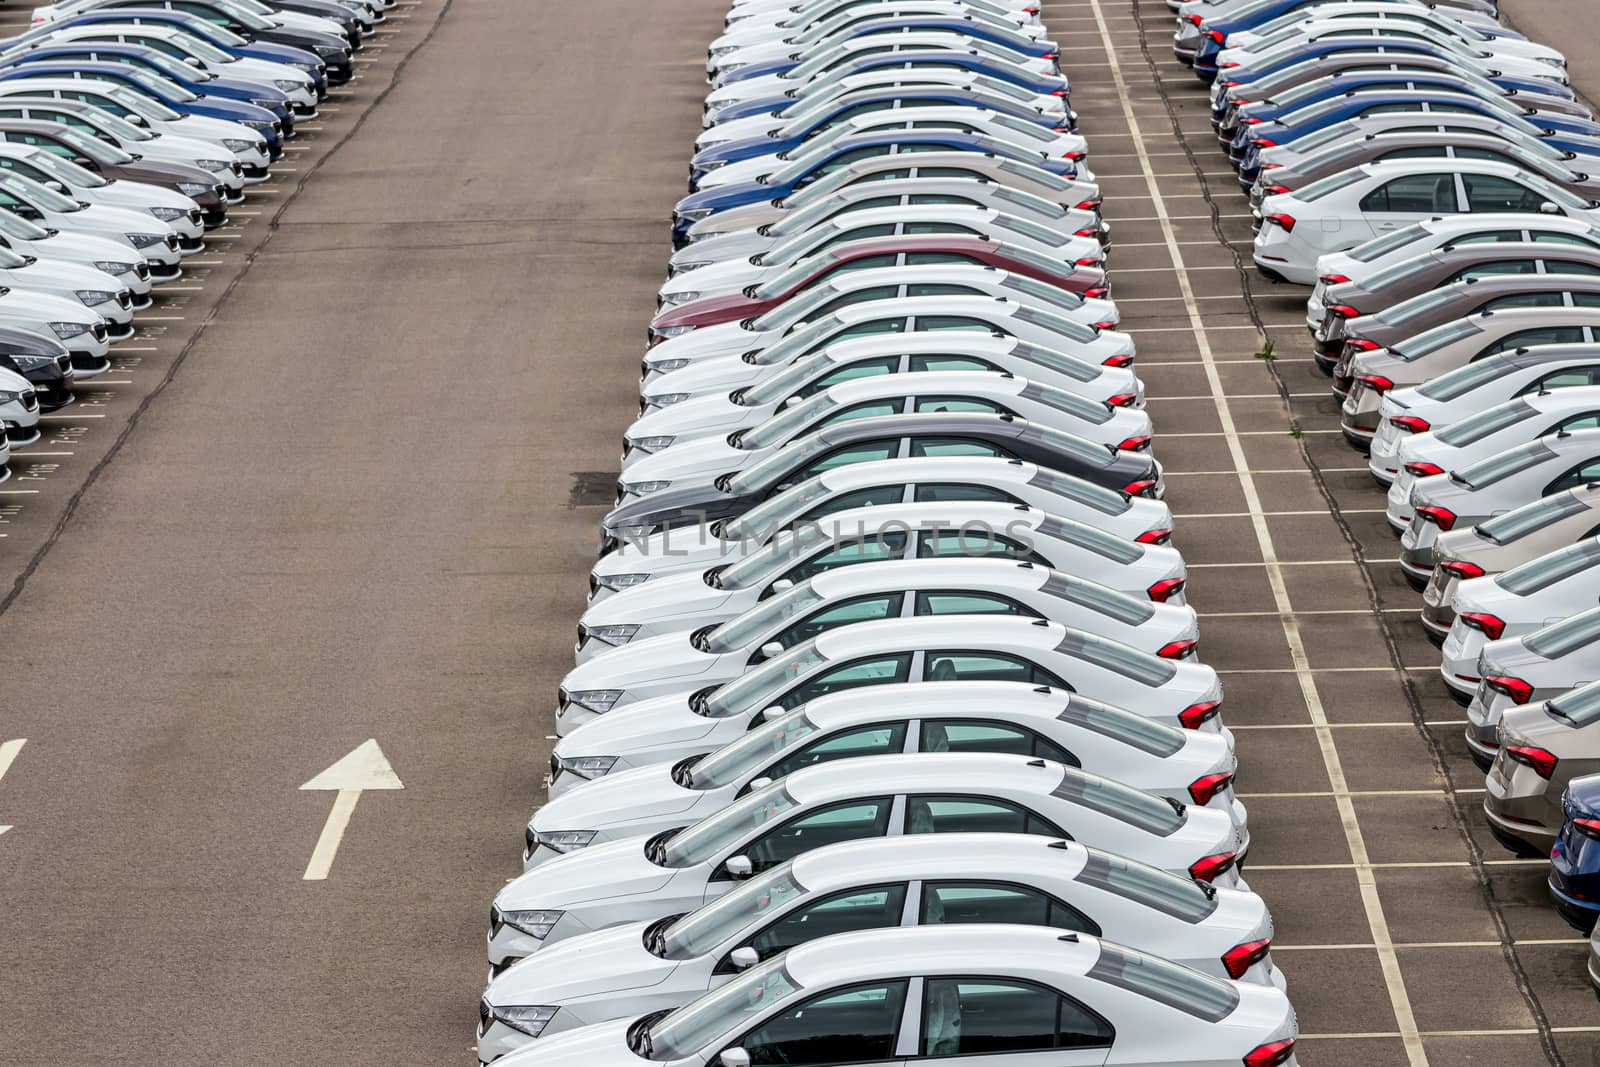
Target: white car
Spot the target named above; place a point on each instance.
(1010, 203)
(918, 880)
(959, 480)
(1370, 258)
(695, 411)
(1184, 765)
(155, 240)
(1409, 13)
(773, 12)
(948, 648)
(718, 592)
(777, 269)
(675, 458)
(874, 796)
(1354, 206)
(1512, 603)
(19, 412)
(1538, 665)
(81, 329)
(943, 989)
(1012, 317)
(5, 457)
(799, 28)
(1506, 480)
(1482, 435)
(117, 258)
(1513, 55)
(94, 289)
(168, 205)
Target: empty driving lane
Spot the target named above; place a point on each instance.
(1408, 936)
(353, 514)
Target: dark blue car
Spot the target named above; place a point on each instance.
(173, 96)
(966, 26)
(864, 101)
(1212, 44)
(1575, 860)
(848, 150)
(974, 61)
(1304, 96)
(198, 82)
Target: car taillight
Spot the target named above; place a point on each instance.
(1252, 121)
(1240, 958)
(1204, 870)
(1122, 400)
(1361, 344)
(1344, 311)
(1088, 205)
(1267, 142)
(1271, 1054)
(1087, 231)
(1587, 827)
(1133, 444)
(1177, 650)
(1422, 470)
(1334, 279)
(1217, 35)
(1164, 590)
(1142, 487)
(1117, 361)
(1059, 92)
(1196, 19)
(1051, 55)
(1460, 568)
(1412, 424)
(1270, 166)
(1231, 85)
(1088, 261)
(1443, 518)
(1274, 190)
(1541, 760)
(1202, 790)
(1376, 382)
(1519, 691)
(1196, 715)
(1100, 292)
(1491, 625)
(1105, 325)
(1075, 156)
(1285, 221)
(1154, 537)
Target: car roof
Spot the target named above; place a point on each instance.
(1539, 354)
(941, 342)
(1389, 167)
(964, 772)
(985, 383)
(993, 306)
(974, 572)
(968, 423)
(873, 519)
(1480, 252)
(1002, 857)
(937, 631)
(1471, 222)
(959, 949)
(989, 470)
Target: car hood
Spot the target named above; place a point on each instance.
(606, 961)
(723, 339)
(600, 872)
(80, 247)
(637, 728)
(703, 457)
(638, 796)
(696, 501)
(727, 303)
(173, 149)
(713, 413)
(720, 375)
(726, 196)
(32, 304)
(598, 1045)
(63, 274)
(120, 219)
(655, 659)
(726, 278)
(687, 548)
(24, 342)
(139, 196)
(678, 596)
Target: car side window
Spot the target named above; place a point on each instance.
(955, 446)
(859, 609)
(859, 263)
(1483, 153)
(23, 169)
(1562, 379)
(959, 666)
(946, 735)
(860, 452)
(1492, 269)
(869, 908)
(927, 363)
(1548, 237)
(1567, 266)
(880, 671)
(1415, 194)
(971, 815)
(941, 289)
(1528, 300)
(1579, 474)
(1490, 192)
(954, 322)
(859, 296)
(999, 902)
(855, 1025)
(888, 545)
(1589, 420)
(984, 1016)
(1586, 300)
(1490, 237)
(938, 491)
(880, 739)
(1538, 335)
(921, 259)
(970, 603)
(849, 820)
(1420, 152)
(857, 498)
(865, 410)
(961, 403)
(974, 545)
(866, 368)
(936, 227)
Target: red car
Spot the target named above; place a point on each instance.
(886, 252)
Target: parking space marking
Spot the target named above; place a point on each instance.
(1394, 980)
(8, 753)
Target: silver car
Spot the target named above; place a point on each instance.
(1543, 746)
(1536, 666)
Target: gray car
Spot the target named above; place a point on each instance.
(877, 438)
(1543, 746)
(1535, 667)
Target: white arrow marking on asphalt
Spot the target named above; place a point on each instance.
(364, 768)
(8, 752)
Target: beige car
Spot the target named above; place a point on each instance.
(1543, 746)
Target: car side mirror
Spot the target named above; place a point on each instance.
(771, 649)
(792, 401)
(734, 1057)
(28, 211)
(1549, 208)
(760, 783)
(137, 120)
(744, 957)
(782, 585)
(776, 711)
(191, 60)
(57, 186)
(739, 866)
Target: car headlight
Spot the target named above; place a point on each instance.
(653, 444)
(65, 330)
(566, 840)
(642, 488)
(112, 267)
(268, 104)
(32, 362)
(589, 767)
(665, 365)
(146, 240)
(214, 165)
(8, 397)
(92, 297)
(694, 214)
(725, 50)
(168, 214)
(233, 144)
(598, 701)
(612, 635)
(536, 924)
(618, 582)
(287, 85)
(666, 400)
(531, 1019)
(1552, 61)
(711, 164)
(187, 189)
(684, 268)
(329, 50)
(257, 124)
(673, 300)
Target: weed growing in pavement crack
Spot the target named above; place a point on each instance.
(1267, 352)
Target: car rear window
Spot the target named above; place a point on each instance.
(1499, 467)
(1462, 380)
(1165, 982)
(1565, 637)
(1142, 732)
(1578, 708)
(1330, 185)
(1038, 290)
(1182, 898)
(1379, 247)
(1129, 662)
(1530, 518)
(1537, 574)
(1106, 501)
(1094, 412)
(1420, 304)
(1126, 609)
(1095, 540)
(1432, 340)
(1477, 426)
(1124, 803)
(1073, 331)
(1060, 362)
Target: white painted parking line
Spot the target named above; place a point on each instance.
(19, 492)
(36, 455)
(73, 417)
(8, 753)
(1355, 841)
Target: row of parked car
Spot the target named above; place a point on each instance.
(887, 738)
(127, 130)
(1431, 173)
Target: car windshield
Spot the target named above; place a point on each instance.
(784, 425)
(219, 35)
(174, 69)
(66, 172)
(1379, 247)
(1565, 637)
(1337, 132)
(793, 248)
(92, 148)
(802, 337)
(1481, 424)
(759, 522)
(1538, 574)
(1182, 898)
(1330, 185)
(1576, 708)
(1414, 348)
(119, 128)
(739, 759)
(787, 382)
(762, 566)
(802, 220)
(763, 684)
(38, 195)
(1462, 380)
(1530, 518)
(20, 228)
(765, 472)
(736, 823)
(169, 89)
(202, 49)
(247, 18)
(799, 307)
(1124, 803)
(143, 106)
(10, 260)
(704, 929)
(1499, 467)
(744, 629)
(685, 1032)
(1421, 304)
